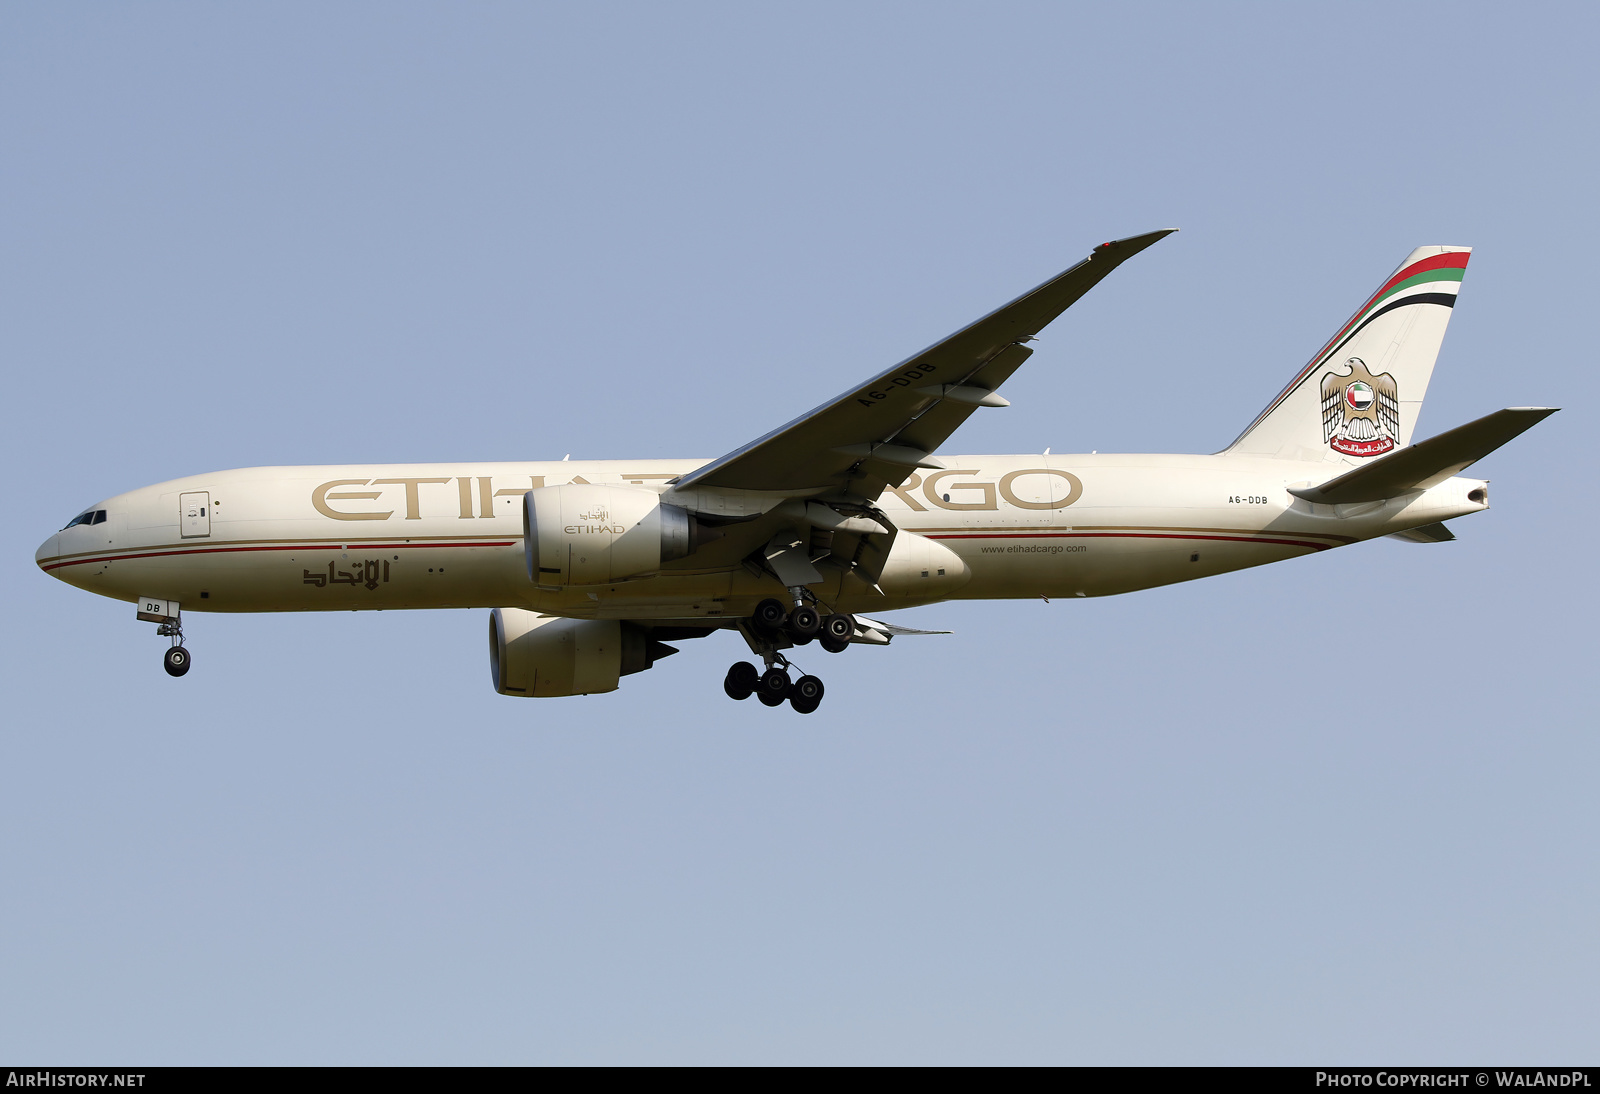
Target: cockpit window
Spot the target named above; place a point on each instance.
(92, 516)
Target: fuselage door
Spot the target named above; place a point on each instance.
(194, 511)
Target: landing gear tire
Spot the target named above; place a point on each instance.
(841, 628)
(803, 625)
(833, 645)
(806, 695)
(773, 687)
(770, 616)
(740, 683)
(176, 661)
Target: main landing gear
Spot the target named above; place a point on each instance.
(773, 687)
(804, 624)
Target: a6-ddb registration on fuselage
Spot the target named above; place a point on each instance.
(812, 532)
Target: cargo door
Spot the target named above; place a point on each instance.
(194, 511)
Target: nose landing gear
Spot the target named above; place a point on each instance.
(175, 661)
(176, 658)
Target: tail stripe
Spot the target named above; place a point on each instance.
(1447, 299)
(1432, 280)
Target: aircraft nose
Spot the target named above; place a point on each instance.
(48, 550)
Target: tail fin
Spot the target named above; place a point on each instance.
(1360, 395)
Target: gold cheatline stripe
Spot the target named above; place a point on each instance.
(1058, 531)
(202, 541)
(313, 544)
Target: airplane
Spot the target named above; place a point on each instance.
(591, 569)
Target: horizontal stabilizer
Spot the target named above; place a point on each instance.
(1428, 463)
(1428, 533)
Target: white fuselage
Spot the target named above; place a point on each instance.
(450, 535)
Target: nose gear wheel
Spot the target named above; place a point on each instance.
(176, 661)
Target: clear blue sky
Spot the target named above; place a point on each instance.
(1258, 818)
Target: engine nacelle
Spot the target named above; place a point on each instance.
(580, 534)
(546, 655)
(922, 569)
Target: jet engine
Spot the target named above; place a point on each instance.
(580, 534)
(547, 655)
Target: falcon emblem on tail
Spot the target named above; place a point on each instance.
(1360, 411)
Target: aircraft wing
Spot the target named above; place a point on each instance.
(877, 434)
